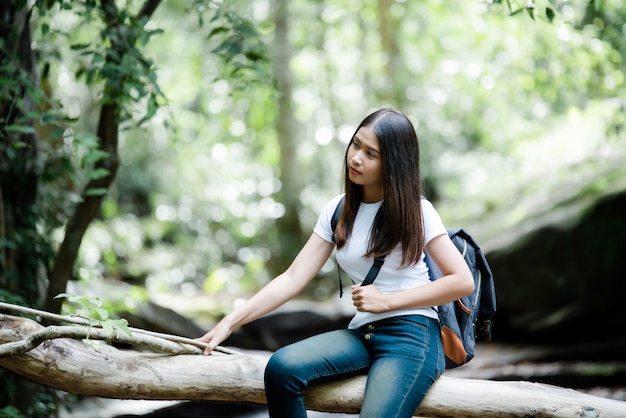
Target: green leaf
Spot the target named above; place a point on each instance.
(153, 106)
(94, 156)
(10, 412)
(78, 47)
(50, 116)
(97, 59)
(5, 243)
(107, 326)
(215, 31)
(20, 128)
(550, 14)
(82, 302)
(96, 191)
(97, 173)
(254, 55)
(121, 325)
(597, 5)
(101, 314)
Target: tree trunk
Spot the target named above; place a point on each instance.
(87, 209)
(389, 46)
(289, 229)
(79, 368)
(20, 252)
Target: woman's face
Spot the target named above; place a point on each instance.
(365, 164)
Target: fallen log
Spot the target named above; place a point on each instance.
(77, 367)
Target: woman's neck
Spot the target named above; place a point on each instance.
(372, 196)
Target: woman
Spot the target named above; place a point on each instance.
(394, 336)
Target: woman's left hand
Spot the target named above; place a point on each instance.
(369, 299)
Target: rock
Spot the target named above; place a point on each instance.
(563, 282)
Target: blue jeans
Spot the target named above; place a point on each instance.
(402, 357)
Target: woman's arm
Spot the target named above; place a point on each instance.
(285, 286)
(457, 281)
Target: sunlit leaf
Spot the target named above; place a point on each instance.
(102, 314)
(107, 326)
(94, 156)
(121, 325)
(97, 173)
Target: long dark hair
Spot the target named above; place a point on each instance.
(400, 219)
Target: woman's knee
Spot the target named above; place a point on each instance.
(275, 365)
(283, 364)
(283, 375)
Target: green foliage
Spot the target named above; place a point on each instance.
(94, 311)
(10, 412)
(15, 391)
(117, 60)
(24, 249)
(9, 297)
(544, 9)
(239, 47)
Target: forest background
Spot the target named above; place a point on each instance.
(183, 149)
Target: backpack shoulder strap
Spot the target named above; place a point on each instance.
(378, 261)
(336, 214)
(333, 224)
(373, 272)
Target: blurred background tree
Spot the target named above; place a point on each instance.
(184, 149)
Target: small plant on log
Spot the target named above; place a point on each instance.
(91, 309)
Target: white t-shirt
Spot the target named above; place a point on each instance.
(391, 277)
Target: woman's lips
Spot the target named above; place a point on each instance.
(353, 171)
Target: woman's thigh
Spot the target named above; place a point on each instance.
(407, 358)
(334, 353)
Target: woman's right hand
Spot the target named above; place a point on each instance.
(215, 336)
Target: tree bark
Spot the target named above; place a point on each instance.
(76, 367)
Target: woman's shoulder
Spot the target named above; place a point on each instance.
(426, 204)
(428, 209)
(335, 200)
(329, 207)
(323, 227)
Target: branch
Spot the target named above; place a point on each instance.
(77, 320)
(88, 333)
(148, 8)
